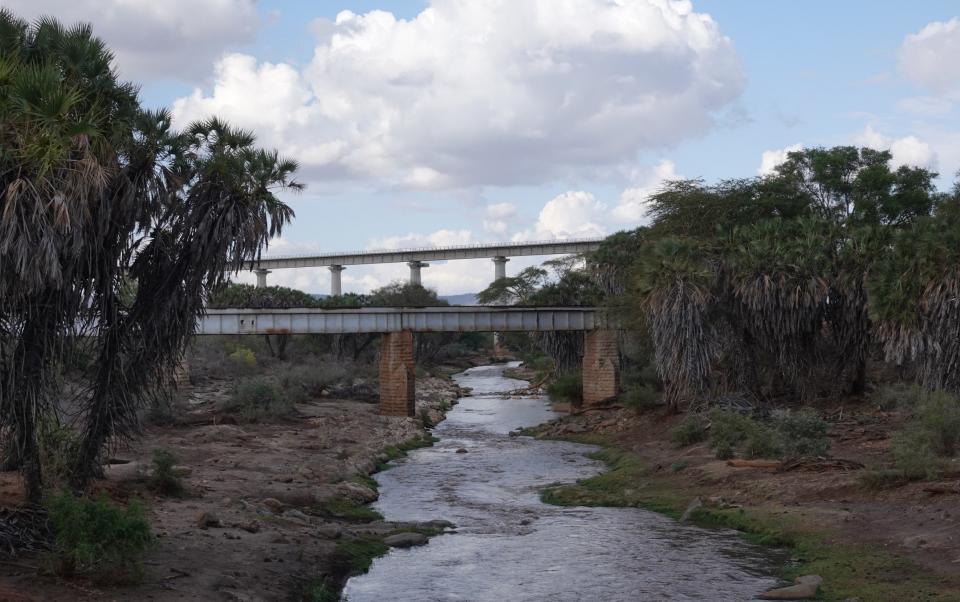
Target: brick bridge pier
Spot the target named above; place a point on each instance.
(601, 359)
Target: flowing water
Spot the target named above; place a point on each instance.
(509, 546)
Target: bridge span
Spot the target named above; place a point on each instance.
(417, 258)
(397, 325)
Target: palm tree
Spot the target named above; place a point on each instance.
(98, 193)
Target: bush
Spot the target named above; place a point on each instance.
(566, 388)
(883, 478)
(914, 455)
(801, 433)
(642, 397)
(692, 430)
(96, 538)
(164, 478)
(937, 416)
(302, 383)
(243, 358)
(59, 447)
(728, 430)
(255, 398)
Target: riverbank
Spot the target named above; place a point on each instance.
(273, 510)
(901, 544)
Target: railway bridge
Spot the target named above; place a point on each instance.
(396, 325)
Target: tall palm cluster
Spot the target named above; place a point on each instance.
(787, 285)
(114, 229)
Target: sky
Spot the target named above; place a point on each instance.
(440, 122)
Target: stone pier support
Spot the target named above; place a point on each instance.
(261, 277)
(397, 374)
(336, 288)
(499, 268)
(601, 367)
(415, 271)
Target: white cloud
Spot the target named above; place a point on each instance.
(573, 214)
(497, 217)
(772, 158)
(483, 92)
(178, 39)
(632, 207)
(908, 150)
(929, 57)
(925, 106)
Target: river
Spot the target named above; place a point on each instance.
(510, 547)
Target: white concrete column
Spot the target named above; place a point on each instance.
(261, 277)
(499, 268)
(415, 271)
(335, 287)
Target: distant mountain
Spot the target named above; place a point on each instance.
(464, 299)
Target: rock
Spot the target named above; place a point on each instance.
(696, 503)
(295, 514)
(227, 581)
(461, 451)
(206, 520)
(806, 587)
(251, 527)
(575, 427)
(405, 540)
(275, 505)
(357, 492)
(438, 524)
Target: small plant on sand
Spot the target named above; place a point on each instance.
(692, 430)
(255, 398)
(728, 430)
(425, 420)
(59, 445)
(932, 435)
(94, 537)
(789, 435)
(164, 478)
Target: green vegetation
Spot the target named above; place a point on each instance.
(789, 435)
(257, 398)
(567, 388)
(93, 537)
(114, 224)
(345, 509)
(164, 478)
(930, 438)
(849, 571)
(243, 359)
(692, 430)
(320, 590)
(59, 445)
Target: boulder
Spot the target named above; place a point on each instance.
(405, 540)
(806, 588)
(206, 520)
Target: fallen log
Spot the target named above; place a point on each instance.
(939, 488)
(740, 463)
(820, 464)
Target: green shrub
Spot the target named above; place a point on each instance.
(301, 383)
(566, 388)
(762, 442)
(243, 358)
(937, 416)
(642, 397)
(679, 465)
(256, 398)
(728, 430)
(59, 447)
(692, 430)
(914, 455)
(96, 538)
(320, 590)
(897, 396)
(425, 420)
(164, 478)
(801, 433)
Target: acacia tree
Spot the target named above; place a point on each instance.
(98, 193)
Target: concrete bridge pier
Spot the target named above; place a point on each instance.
(336, 289)
(601, 367)
(415, 270)
(500, 268)
(261, 277)
(397, 374)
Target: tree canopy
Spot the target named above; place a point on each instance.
(114, 227)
